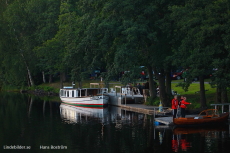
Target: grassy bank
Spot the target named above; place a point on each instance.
(192, 94)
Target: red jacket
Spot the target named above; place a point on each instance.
(174, 103)
(184, 103)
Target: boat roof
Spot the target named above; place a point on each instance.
(69, 88)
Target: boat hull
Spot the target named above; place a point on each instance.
(203, 121)
(89, 102)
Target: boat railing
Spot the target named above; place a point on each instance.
(94, 85)
(210, 113)
(222, 107)
(97, 85)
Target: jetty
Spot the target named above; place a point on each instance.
(130, 99)
(150, 110)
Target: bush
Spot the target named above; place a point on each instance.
(152, 101)
(43, 88)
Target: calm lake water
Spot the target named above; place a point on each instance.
(32, 124)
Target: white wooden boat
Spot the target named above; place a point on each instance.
(84, 97)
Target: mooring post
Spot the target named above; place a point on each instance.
(125, 99)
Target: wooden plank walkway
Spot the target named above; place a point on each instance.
(120, 99)
(164, 120)
(141, 108)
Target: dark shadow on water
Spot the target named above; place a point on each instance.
(41, 123)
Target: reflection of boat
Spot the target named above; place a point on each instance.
(210, 117)
(85, 97)
(204, 129)
(77, 114)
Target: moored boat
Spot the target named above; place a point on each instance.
(211, 117)
(84, 97)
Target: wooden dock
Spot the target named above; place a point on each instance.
(141, 108)
(121, 100)
(164, 120)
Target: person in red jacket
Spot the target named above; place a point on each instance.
(183, 106)
(174, 106)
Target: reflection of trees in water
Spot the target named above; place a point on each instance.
(122, 131)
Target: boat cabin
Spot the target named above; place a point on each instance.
(83, 92)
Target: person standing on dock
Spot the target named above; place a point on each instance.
(183, 106)
(140, 87)
(174, 106)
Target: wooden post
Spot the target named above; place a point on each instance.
(125, 99)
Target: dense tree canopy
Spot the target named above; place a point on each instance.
(45, 38)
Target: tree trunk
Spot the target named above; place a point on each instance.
(64, 77)
(31, 82)
(224, 95)
(218, 94)
(79, 84)
(43, 77)
(168, 84)
(152, 83)
(50, 78)
(163, 96)
(202, 92)
(61, 80)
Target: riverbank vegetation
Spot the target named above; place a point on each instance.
(43, 41)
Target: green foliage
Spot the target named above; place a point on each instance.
(76, 37)
(43, 88)
(152, 101)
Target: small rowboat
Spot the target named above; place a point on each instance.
(211, 116)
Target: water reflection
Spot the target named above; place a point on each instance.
(181, 138)
(180, 142)
(32, 121)
(75, 114)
